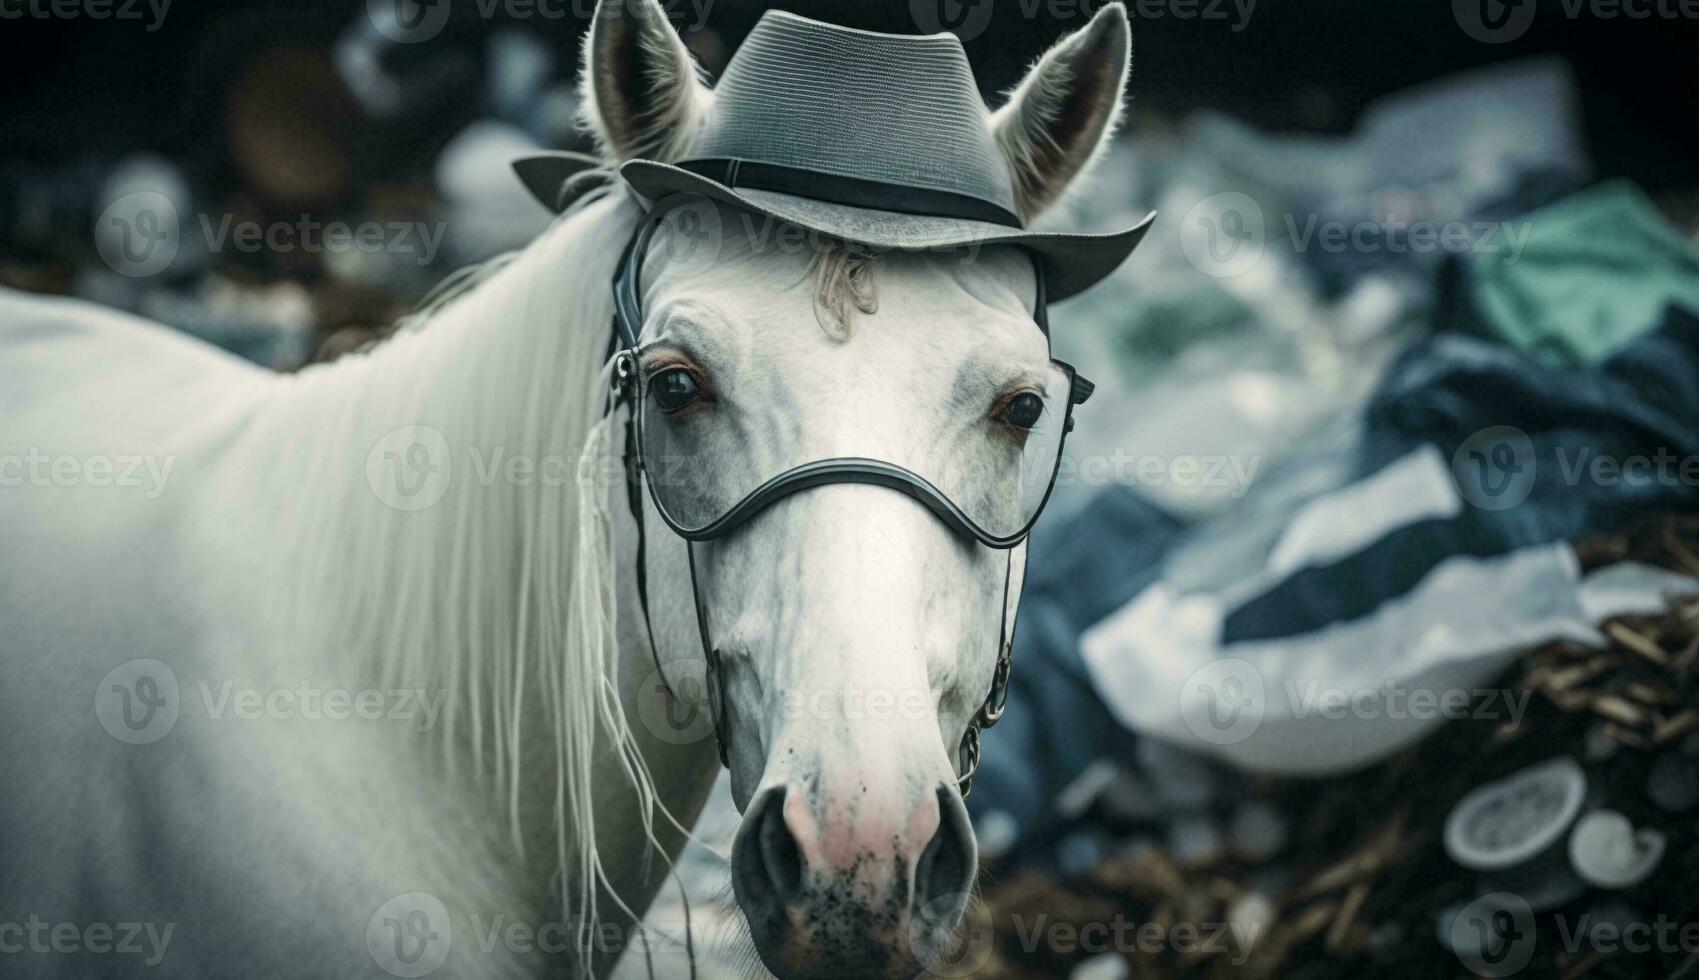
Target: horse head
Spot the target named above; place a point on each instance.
(852, 634)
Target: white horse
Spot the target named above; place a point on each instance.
(332, 673)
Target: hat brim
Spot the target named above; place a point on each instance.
(545, 175)
(1071, 262)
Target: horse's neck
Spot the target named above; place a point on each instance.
(439, 533)
(429, 482)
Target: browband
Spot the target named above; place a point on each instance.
(852, 191)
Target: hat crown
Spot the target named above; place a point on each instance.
(890, 108)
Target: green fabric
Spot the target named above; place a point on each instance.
(1594, 272)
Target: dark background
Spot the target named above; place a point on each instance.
(77, 89)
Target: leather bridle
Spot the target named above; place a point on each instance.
(624, 343)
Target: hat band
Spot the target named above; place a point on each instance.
(851, 191)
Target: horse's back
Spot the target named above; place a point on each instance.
(105, 419)
(87, 374)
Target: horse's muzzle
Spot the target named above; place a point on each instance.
(833, 890)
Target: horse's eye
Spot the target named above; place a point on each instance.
(674, 388)
(1024, 410)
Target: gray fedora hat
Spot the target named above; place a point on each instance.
(881, 140)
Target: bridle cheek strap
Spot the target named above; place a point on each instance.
(712, 678)
(996, 699)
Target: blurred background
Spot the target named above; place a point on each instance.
(1360, 633)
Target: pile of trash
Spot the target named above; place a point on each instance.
(1364, 656)
(1344, 469)
(1559, 840)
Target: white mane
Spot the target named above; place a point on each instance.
(502, 592)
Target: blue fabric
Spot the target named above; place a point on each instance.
(1082, 569)
(1449, 387)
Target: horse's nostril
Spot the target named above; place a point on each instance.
(766, 864)
(946, 867)
(779, 851)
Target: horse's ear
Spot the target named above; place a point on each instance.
(1059, 118)
(640, 89)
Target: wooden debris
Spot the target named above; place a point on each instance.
(1677, 726)
(1347, 916)
(1625, 736)
(1638, 643)
(1619, 710)
(1654, 696)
